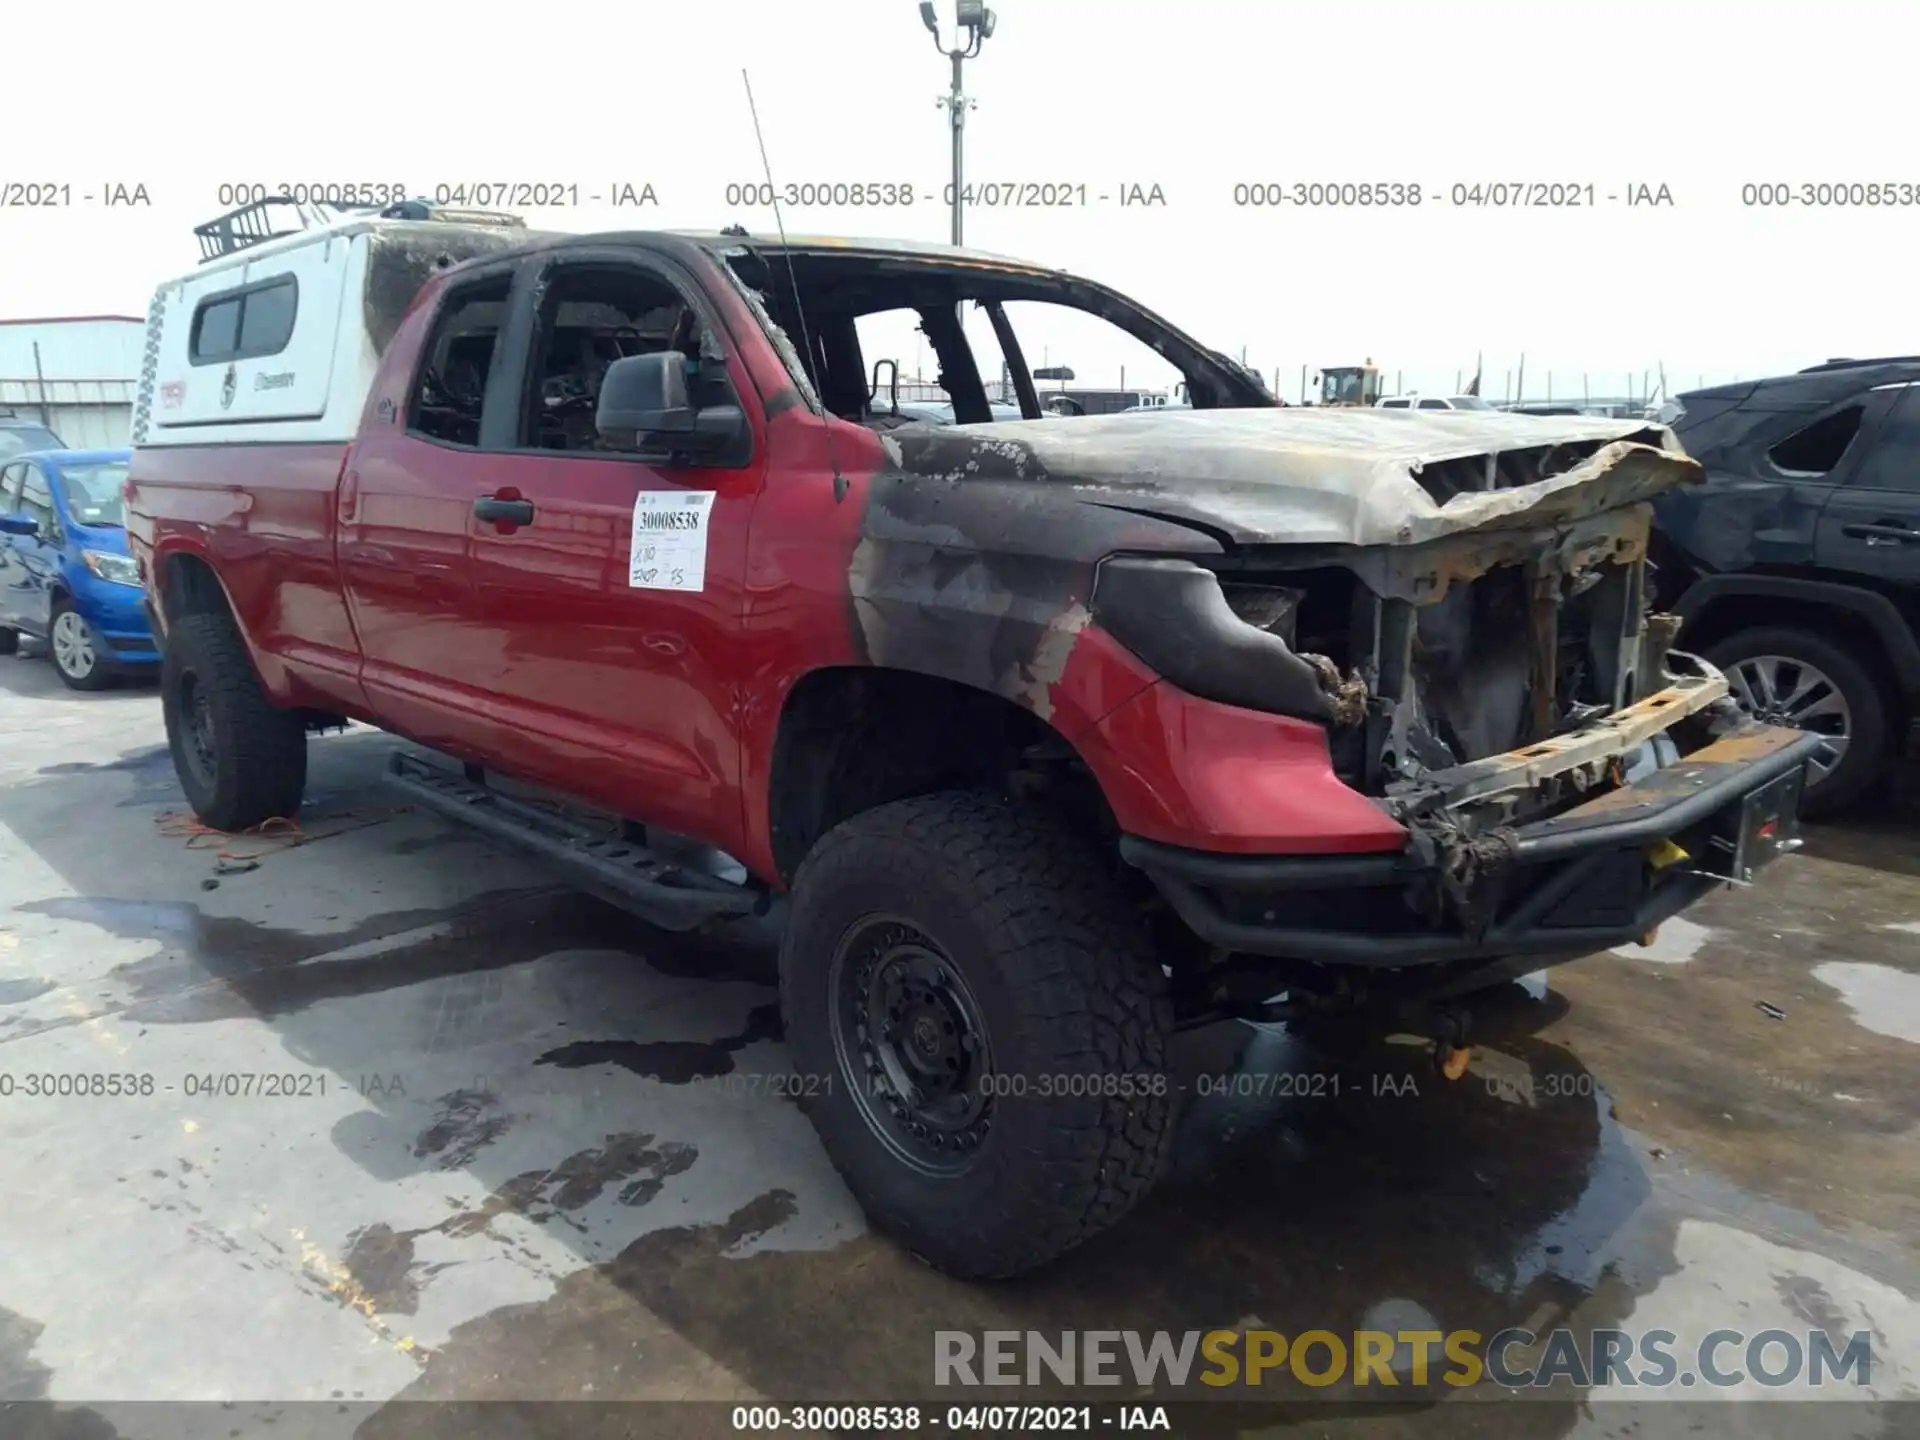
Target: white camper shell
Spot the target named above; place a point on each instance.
(277, 334)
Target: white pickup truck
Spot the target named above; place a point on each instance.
(1431, 402)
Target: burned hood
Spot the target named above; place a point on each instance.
(1301, 475)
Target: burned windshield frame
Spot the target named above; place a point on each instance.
(768, 281)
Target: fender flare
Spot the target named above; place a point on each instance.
(163, 556)
(1876, 610)
(272, 670)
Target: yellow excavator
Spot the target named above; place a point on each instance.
(1349, 385)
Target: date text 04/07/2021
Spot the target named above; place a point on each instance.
(461, 194)
(195, 1085)
(1463, 195)
(985, 195)
(952, 1419)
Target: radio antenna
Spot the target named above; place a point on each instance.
(793, 285)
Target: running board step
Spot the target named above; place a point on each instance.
(617, 870)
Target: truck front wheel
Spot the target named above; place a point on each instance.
(979, 1029)
(241, 759)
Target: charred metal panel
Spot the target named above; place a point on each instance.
(401, 260)
(1306, 477)
(985, 582)
(1583, 758)
(1725, 757)
(1174, 616)
(1738, 523)
(1617, 625)
(1425, 573)
(1472, 665)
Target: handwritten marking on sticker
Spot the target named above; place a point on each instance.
(669, 547)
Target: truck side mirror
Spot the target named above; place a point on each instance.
(645, 404)
(17, 524)
(644, 395)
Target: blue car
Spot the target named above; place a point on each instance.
(65, 575)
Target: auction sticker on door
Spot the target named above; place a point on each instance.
(669, 549)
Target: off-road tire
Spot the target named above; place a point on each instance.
(9, 641)
(258, 768)
(1067, 985)
(1870, 750)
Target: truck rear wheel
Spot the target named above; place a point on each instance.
(241, 759)
(979, 1027)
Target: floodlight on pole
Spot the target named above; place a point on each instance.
(973, 23)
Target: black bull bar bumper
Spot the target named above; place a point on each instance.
(1605, 873)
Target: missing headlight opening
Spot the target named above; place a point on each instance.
(1474, 665)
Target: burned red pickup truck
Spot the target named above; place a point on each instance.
(1051, 735)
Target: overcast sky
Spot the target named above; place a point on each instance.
(1194, 97)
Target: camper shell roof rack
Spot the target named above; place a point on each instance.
(278, 216)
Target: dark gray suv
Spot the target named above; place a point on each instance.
(1796, 567)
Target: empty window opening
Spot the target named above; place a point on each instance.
(593, 317)
(453, 381)
(1819, 447)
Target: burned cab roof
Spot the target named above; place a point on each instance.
(724, 242)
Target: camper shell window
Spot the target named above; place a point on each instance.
(245, 323)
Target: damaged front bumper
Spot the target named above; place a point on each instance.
(1606, 872)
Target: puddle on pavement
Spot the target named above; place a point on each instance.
(1883, 999)
(265, 971)
(19, 992)
(156, 758)
(1345, 1194)
(21, 1376)
(635, 1168)
(1678, 941)
(468, 1121)
(1745, 1061)
(1345, 1191)
(670, 1062)
(1354, 1190)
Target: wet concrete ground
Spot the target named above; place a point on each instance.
(519, 1147)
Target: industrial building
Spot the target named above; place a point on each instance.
(76, 375)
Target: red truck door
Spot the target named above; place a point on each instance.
(611, 670)
(405, 511)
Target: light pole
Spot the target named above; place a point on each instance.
(973, 23)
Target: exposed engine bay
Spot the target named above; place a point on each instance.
(1501, 673)
(1526, 651)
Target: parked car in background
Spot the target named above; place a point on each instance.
(20, 436)
(1432, 402)
(940, 412)
(1796, 567)
(65, 576)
